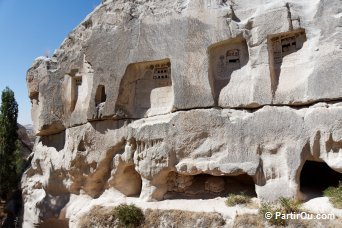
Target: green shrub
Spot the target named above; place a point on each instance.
(234, 199)
(129, 215)
(335, 195)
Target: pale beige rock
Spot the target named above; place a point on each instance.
(26, 144)
(187, 35)
(152, 97)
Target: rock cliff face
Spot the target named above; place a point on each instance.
(186, 98)
(26, 142)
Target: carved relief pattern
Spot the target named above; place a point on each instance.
(227, 64)
(153, 90)
(286, 44)
(161, 71)
(78, 80)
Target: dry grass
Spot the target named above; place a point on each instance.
(301, 223)
(177, 218)
(284, 206)
(249, 221)
(257, 221)
(99, 217)
(104, 217)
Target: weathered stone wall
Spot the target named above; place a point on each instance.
(142, 89)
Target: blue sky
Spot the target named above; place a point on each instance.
(29, 29)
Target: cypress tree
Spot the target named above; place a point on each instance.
(10, 165)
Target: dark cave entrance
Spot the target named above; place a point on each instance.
(54, 223)
(100, 95)
(315, 177)
(205, 186)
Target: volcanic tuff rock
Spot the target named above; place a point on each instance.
(26, 141)
(154, 98)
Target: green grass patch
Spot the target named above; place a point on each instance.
(290, 205)
(234, 199)
(335, 195)
(129, 215)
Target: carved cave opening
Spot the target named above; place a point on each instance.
(145, 90)
(81, 146)
(100, 101)
(34, 98)
(100, 96)
(315, 177)
(280, 46)
(54, 223)
(225, 58)
(75, 84)
(205, 186)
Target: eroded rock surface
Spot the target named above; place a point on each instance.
(182, 97)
